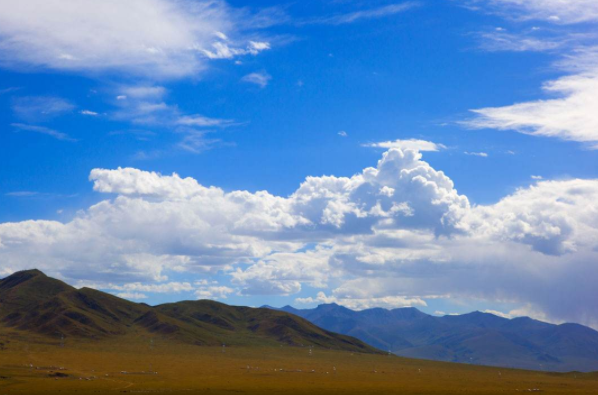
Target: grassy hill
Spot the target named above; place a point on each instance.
(31, 302)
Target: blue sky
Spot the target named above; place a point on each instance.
(490, 102)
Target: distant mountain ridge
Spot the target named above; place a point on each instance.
(31, 302)
(478, 338)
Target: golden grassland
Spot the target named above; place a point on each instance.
(139, 365)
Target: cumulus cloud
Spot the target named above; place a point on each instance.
(392, 235)
(413, 144)
(157, 38)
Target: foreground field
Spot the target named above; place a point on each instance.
(144, 366)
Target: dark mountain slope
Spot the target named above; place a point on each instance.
(32, 302)
(477, 337)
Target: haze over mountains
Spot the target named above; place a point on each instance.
(31, 302)
(477, 338)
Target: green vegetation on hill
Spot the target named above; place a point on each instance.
(32, 302)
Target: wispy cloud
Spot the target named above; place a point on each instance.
(500, 41)
(356, 16)
(141, 135)
(35, 194)
(22, 194)
(566, 110)
(203, 121)
(40, 108)
(261, 79)
(197, 142)
(147, 106)
(43, 130)
(553, 11)
(8, 90)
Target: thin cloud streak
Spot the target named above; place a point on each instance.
(352, 17)
(43, 130)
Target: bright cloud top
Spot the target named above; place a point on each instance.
(391, 235)
(151, 37)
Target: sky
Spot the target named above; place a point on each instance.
(439, 154)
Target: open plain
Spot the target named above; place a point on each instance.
(147, 365)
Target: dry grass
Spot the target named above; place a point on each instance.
(182, 369)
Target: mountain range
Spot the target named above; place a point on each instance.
(33, 303)
(476, 338)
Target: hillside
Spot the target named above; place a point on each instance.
(476, 338)
(31, 302)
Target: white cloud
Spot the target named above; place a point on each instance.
(223, 50)
(260, 79)
(342, 133)
(571, 116)
(89, 112)
(555, 217)
(213, 292)
(395, 234)
(168, 288)
(537, 177)
(480, 154)
(131, 295)
(155, 38)
(498, 313)
(388, 302)
(414, 144)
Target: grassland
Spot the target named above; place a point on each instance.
(128, 365)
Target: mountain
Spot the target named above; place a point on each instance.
(477, 338)
(31, 302)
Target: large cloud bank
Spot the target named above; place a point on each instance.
(394, 234)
